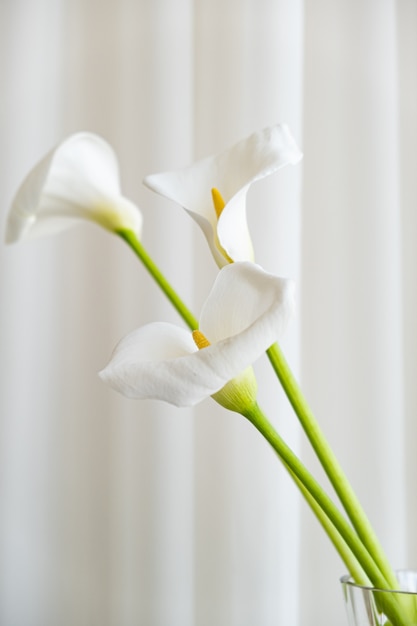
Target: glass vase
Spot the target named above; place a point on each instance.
(367, 606)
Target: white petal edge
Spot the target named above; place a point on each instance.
(78, 179)
(243, 293)
(160, 361)
(255, 157)
(232, 172)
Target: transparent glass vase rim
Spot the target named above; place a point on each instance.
(347, 580)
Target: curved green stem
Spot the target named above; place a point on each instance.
(137, 247)
(351, 562)
(360, 556)
(330, 464)
(256, 416)
(399, 608)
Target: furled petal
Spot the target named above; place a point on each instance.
(231, 172)
(161, 361)
(78, 179)
(244, 294)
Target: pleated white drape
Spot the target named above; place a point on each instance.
(359, 270)
(120, 513)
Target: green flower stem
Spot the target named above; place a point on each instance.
(400, 609)
(330, 464)
(351, 562)
(137, 247)
(256, 416)
(352, 551)
(130, 238)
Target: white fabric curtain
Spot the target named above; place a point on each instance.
(120, 513)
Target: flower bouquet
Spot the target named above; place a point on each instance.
(244, 315)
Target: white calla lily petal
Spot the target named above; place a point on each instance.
(231, 172)
(79, 179)
(243, 294)
(161, 361)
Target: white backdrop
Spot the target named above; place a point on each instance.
(120, 513)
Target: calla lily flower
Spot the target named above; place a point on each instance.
(245, 312)
(213, 190)
(79, 179)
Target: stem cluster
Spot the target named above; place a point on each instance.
(352, 534)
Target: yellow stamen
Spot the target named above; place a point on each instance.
(218, 201)
(200, 340)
